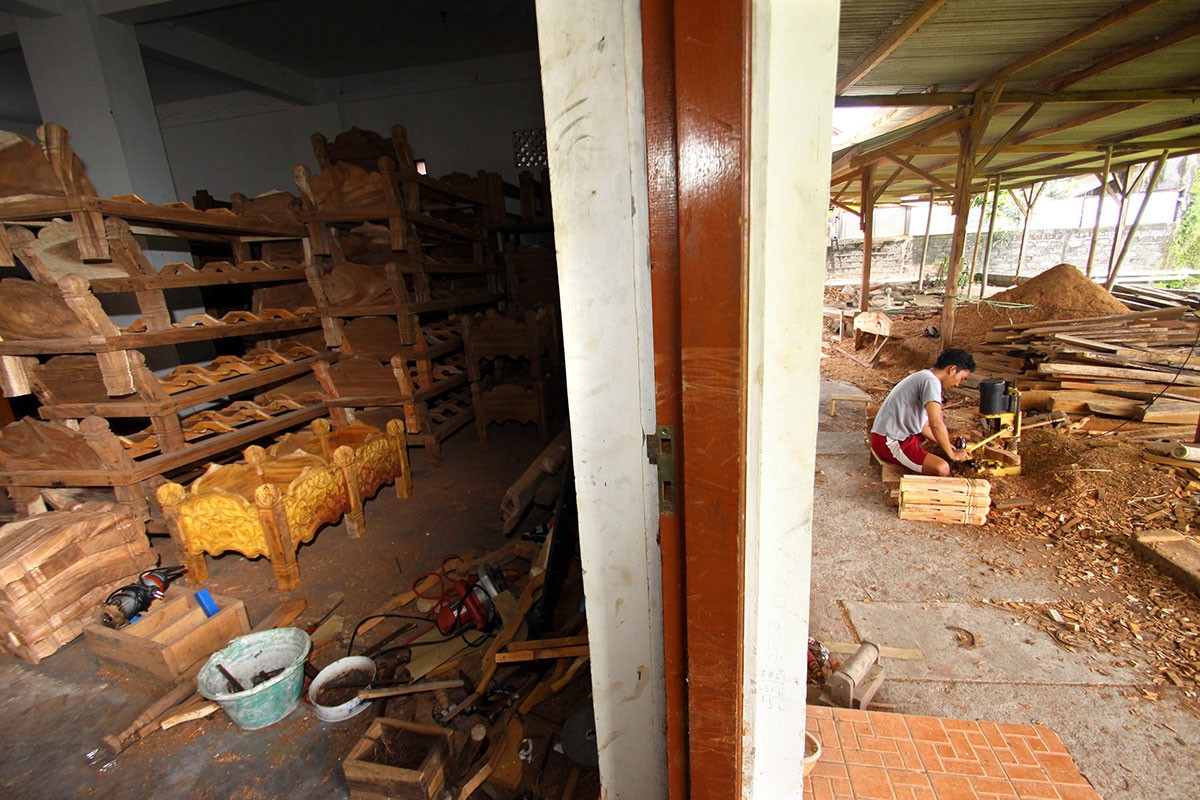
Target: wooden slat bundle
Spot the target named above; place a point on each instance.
(954, 500)
(55, 567)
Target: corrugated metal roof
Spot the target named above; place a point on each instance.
(1153, 46)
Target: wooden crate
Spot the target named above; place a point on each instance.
(54, 569)
(426, 747)
(171, 638)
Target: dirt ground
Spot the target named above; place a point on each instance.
(1062, 564)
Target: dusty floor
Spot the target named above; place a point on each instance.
(904, 584)
(920, 586)
(54, 713)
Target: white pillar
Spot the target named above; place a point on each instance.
(790, 124)
(595, 126)
(88, 76)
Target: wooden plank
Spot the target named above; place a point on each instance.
(1059, 368)
(540, 654)
(1171, 412)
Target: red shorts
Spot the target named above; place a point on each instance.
(908, 453)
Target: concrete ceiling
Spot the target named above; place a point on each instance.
(294, 49)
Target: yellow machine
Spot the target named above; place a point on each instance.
(1000, 408)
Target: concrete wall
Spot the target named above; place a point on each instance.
(898, 256)
(460, 117)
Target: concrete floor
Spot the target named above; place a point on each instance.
(54, 713)
(874, 577)
(907, 584)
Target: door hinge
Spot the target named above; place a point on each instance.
(660, 450)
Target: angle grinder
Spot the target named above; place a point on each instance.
(128, 601)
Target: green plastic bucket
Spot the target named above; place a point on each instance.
(244, 658)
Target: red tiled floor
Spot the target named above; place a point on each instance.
(878, 756)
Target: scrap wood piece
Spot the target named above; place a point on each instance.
(560, 677)
(520, 495)
(411, 688)
(541, 654)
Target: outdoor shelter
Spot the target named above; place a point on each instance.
(994, 97)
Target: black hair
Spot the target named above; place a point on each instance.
(956, 357)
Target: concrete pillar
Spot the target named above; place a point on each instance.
(788, 203)
(88, 76)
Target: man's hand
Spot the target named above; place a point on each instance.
(959, 454)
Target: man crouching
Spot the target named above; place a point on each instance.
(913, 411)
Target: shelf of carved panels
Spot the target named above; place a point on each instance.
(44, 180)
(58, 342)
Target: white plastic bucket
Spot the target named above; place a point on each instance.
(246, 656)
(338, 669)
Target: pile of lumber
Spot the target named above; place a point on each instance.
(955, 500)
(1143, 298)
(55, 568)
(1141, 366)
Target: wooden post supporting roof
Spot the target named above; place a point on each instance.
(1099, 209)
(866, 222)
(978, 235)
(1123, 187)
(962, 200)
(925, 245)
(1158, 166)
(987, 248)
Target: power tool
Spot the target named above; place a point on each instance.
(127, 602)
(474, 607)
(1000, 408)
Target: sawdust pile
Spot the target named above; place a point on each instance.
(1059, 293)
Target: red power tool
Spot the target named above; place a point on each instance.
(474, 607)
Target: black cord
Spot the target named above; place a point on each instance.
(458, 634)
(354, 635)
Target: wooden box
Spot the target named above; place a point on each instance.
(419, 753)
(54, 569)
(170, 638)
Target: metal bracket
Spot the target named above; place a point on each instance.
(660, 450)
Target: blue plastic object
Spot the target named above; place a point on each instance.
(206, 602)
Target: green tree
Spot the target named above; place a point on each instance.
(1185, 243)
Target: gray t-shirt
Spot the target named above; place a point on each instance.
(903, 413)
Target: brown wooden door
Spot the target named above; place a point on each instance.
(696, 73)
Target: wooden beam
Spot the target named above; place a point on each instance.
(1139, 49)
(1099, 209)
(925, 245)
(876, 149)
(856, 212)
(907, 164)
(1058, 45)
(978, 235)
(1125, 187)
(987, 250)
(902, 32)
(1031, 196)
(879, 192)
(1008, 135)
(1158, 165)
(962, 185)
(866, 222)
(950, 99)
